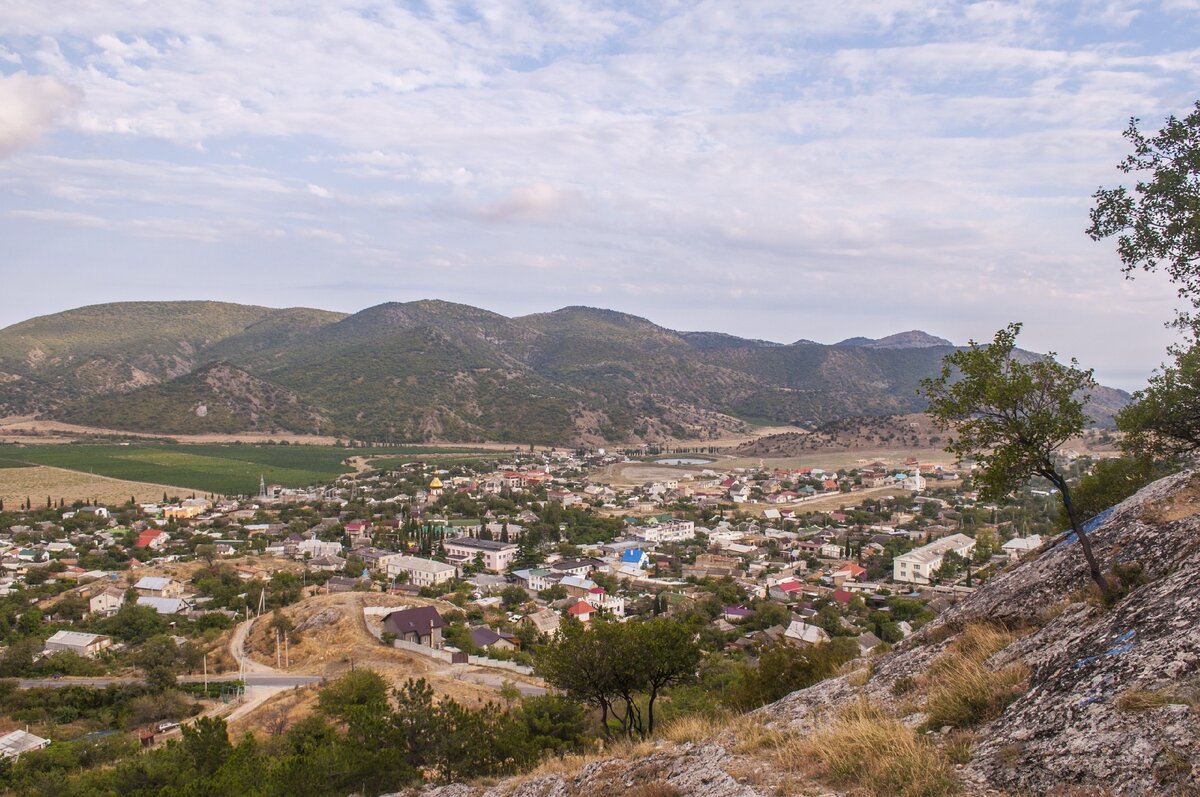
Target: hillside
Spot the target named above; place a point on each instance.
(1030, 685)
(217, 397)
(115, 348)
(439, 371)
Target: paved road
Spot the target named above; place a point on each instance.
(252, 679)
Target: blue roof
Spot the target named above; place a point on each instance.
(632, 555)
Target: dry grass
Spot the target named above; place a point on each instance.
(36, 483)
(1135, 700)
(866, 750)
(963, 690)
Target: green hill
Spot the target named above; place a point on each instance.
(435, 370)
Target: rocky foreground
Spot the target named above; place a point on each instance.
(1108, 700)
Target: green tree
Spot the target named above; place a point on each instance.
(1157, 222)
(1012, 416)
(1164, 418)
(1111, 481)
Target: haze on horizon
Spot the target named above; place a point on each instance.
(776, 171)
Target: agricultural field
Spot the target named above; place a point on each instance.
(223, 469)
(39, 483)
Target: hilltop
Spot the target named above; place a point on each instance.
(1030, 685)
(437, 371)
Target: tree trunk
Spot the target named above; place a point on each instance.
(1093, 566)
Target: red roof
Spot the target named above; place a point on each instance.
(581, 608)
(146, 537)
(842, 596)
(789, 586)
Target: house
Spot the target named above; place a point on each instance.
(868, 642)
(801, 633)
(842, 596)
(485, 637)
(81, 644)
(156, 587)
(106, 602)
(635, 557)
(347, 584)
(576, 567)
(153, 539)
(1020, 546)
(736, 614)
(848, 571)
(316, 549)
(582, 611)
(420, 572)
(327, 564)
(16, 742)
(421, 625)
(545, 621)
(786, 591)
(496, 555)
(164, 605)
(919, 564)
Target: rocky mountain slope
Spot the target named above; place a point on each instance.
(1085, 698)
(433, 370)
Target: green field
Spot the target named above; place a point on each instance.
(226, 469)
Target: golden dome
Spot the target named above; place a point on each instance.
(436, 484)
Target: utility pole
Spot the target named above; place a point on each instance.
(206, 673)
(287, 656)
(277, 650)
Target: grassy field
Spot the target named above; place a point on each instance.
(225, 469)
(39, 483)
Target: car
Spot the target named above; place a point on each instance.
(163, 727)
(56, 677)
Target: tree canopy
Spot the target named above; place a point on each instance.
(1157, 222)
(1012, 416)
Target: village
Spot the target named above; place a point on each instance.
(480, 562)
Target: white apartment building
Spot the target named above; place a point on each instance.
(421, 572)
(671, 531)
(916, 566)
(497, 556)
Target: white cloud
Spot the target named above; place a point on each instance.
(29, 107)
(534, 201)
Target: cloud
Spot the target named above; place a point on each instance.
(530, 202)
(29, 106)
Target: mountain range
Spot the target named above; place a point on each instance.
(434, 370)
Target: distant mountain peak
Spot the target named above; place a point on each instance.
(913, 339)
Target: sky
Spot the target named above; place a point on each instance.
(776, 170)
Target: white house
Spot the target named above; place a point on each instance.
(802, 633)
(916, 566)
(1019, 546)
(317, 548)
(78, 642)
(16, 742)
(421, 572)
(106, 602)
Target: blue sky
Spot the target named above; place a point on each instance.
(778, 170)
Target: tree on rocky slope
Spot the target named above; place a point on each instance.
(1011, 417)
